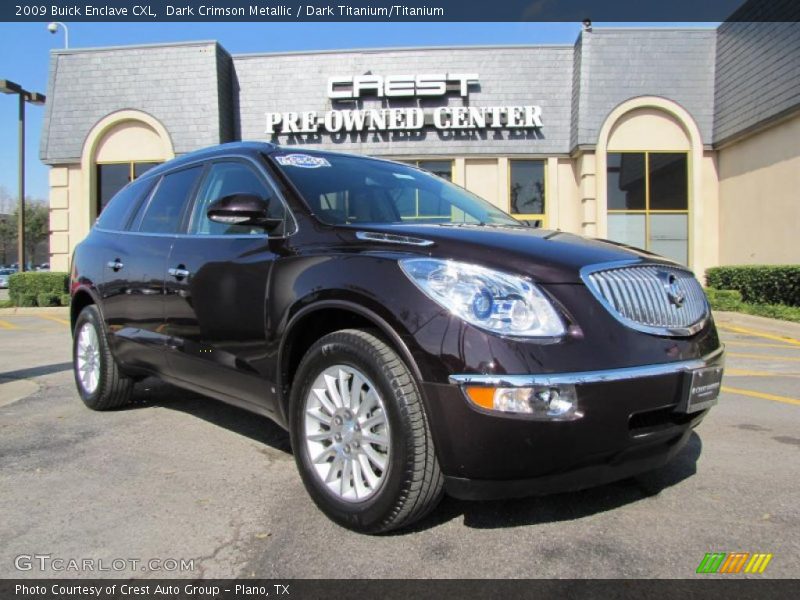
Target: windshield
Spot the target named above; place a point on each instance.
(348, 189)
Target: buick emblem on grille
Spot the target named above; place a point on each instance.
(675, 294)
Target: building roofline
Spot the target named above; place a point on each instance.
(133, 46)
(703, 28)
(379, 50)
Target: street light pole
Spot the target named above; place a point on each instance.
(53, 28)
(21, 204)
(9, 87)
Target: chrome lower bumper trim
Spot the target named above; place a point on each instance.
(545, 379)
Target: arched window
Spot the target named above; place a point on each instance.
(647, 164)
(120, 148)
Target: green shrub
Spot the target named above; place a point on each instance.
(723, 299)
(773, 311)
(47, 299)
(25, 300)
(731, 300)
(24, 288)
(760, 284)
(64, 299)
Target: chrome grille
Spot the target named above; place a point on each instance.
(652, 298)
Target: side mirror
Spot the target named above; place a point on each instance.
(242, 209)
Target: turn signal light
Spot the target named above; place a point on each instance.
(546, 403)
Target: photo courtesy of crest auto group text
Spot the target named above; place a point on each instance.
(302, 298)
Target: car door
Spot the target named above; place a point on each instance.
(216, 291)
(133, 289)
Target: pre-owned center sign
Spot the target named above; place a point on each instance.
(403, 119)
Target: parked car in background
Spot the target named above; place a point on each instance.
(4, 275)
(407, 355)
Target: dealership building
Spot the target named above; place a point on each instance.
(683, 141)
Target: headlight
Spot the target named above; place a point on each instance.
(541, 402)
(489, 299)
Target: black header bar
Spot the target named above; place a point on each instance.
(731, 588)
(151, 11)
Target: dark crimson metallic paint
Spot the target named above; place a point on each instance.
(226, 331)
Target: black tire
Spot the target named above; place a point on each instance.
(413, 483)
(113, 389)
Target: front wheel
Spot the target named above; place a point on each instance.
(360, 435)
(100, 383)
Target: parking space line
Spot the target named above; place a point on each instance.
(54, 319)
(7, 325)
(761, 334)
(747, 373)
(761, 395)
(760, 345)
(763, 356)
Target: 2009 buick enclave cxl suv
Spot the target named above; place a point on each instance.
(413, 338)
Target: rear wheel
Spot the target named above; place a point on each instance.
(100, 383)
(360, 435)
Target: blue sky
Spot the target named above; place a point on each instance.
(25, 47)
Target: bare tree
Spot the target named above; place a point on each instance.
(7, 201)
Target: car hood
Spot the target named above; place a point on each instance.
(546, 256)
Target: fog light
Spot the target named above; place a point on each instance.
(558, 403)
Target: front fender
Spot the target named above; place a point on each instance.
(370, 285)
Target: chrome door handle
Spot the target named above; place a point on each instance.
(178, 272)
(115, 264)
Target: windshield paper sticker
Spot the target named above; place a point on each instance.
(304, 161)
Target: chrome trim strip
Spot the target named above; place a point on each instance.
(579, 378)
(587, 271)
(253, 236)
(392, 238)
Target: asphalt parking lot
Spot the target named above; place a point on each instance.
(177, 476)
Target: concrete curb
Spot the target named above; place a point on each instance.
(765, 324)
(53, 311)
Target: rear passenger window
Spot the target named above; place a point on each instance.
(165, 209)
(117, 213)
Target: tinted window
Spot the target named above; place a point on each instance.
(118, 211)
(527, 187)
(348, 189)
(164, 211)
(442, 168)
(669, 177)
(140, 168)
(626, 181)
(225, 179)
(111, 178)
(648, 201)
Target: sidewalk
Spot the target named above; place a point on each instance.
(53, 311)
(781, 329)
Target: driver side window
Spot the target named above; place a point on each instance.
(225, 179)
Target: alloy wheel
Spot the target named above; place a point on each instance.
(88, 358)
(347, 435)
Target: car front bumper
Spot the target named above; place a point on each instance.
(631, 422)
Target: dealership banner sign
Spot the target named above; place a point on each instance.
(430, 85)
(405, 119)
